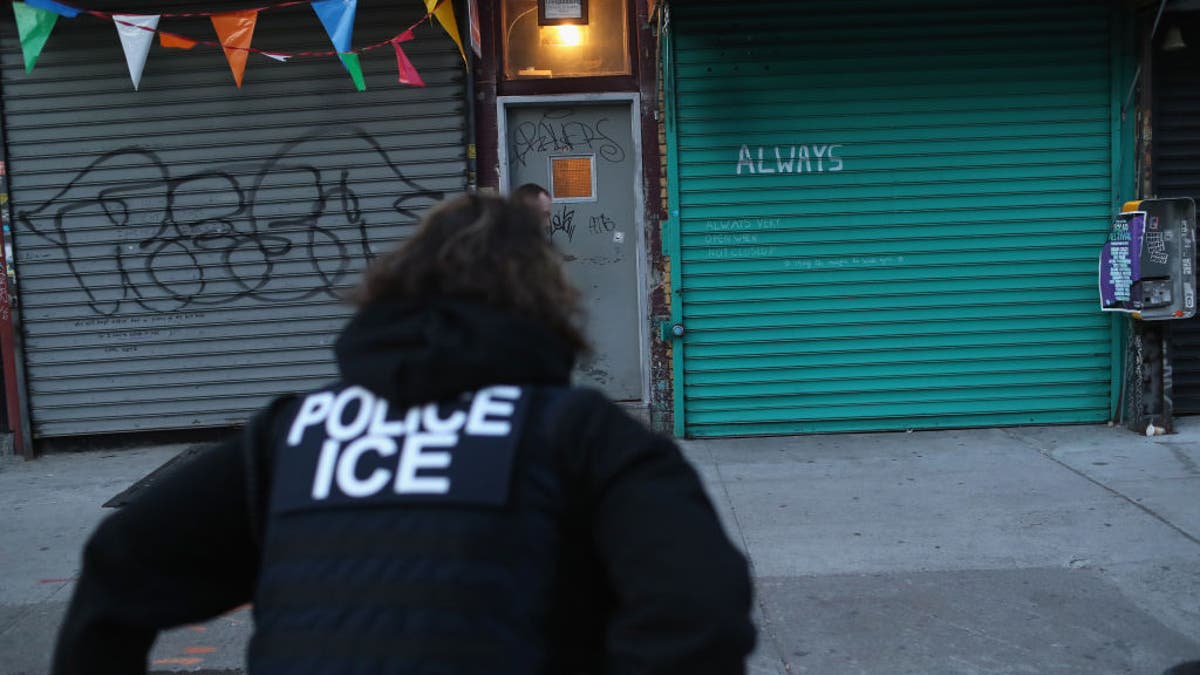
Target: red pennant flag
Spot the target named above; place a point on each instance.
(476, 35)
(235, 29)
(408, 72)
(173, 41)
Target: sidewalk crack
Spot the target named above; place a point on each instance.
(1145, 509)
(768, 633)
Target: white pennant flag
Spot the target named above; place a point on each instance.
(136, 32)
(278, 57)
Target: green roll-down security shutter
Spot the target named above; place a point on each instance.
(890, 213)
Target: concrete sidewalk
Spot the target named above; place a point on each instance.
(1036, 550)
(50, 506)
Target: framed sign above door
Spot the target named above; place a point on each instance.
(557, 12)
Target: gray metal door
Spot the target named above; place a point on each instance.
(181, 249)
(585, 156)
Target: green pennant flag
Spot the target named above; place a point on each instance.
(350, 60)
(33, 27)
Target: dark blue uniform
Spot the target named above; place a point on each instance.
(450, 506)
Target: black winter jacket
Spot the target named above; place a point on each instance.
(646, 580)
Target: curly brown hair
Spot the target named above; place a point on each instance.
(485, 249)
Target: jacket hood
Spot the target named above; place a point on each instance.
(435, 350)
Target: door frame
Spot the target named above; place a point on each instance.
(633, 100)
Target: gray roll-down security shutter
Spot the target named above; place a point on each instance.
(181, 250)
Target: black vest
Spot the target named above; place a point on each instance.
(426, 540)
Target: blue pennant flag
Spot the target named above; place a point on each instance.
(56, 7)
(338, 18)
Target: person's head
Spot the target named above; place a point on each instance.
(484, 249)
(537, 198)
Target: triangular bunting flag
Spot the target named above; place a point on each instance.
(56, 7)
(282, 58)
(173, 41)
(444, 13)
(136, 32)
(350, 60)
(338, 18)
(235, 30)
(33, 27)
(408, 74)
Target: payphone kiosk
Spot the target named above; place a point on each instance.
(1147, 267)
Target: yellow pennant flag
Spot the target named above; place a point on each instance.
(445, 16)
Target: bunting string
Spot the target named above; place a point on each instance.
(235, 32)
(264, 8)
(107, 16)
(304, 54)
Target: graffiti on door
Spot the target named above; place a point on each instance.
(560, 131)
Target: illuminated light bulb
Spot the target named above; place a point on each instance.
(568, 36)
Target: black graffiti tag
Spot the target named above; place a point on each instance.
(564, 222)
(558, 132)
(215, 237)
(601, 224)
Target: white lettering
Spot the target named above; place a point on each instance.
(413, 459)
(492, 401)
(370, 430)
(312, 411)
(788, 166)
(437, 425)
(347, 467)
(819, 152)
(745, 160)
(324, 478)
(837, 165)
(380, 426)
(791, 159)
(333, 424)
(761, 168)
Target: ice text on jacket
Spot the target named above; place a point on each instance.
(347, 449)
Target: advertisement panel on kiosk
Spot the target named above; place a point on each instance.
(1147, 267)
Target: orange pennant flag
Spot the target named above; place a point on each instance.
(235, 29)
(173, 41)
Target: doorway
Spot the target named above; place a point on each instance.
(586, 154)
